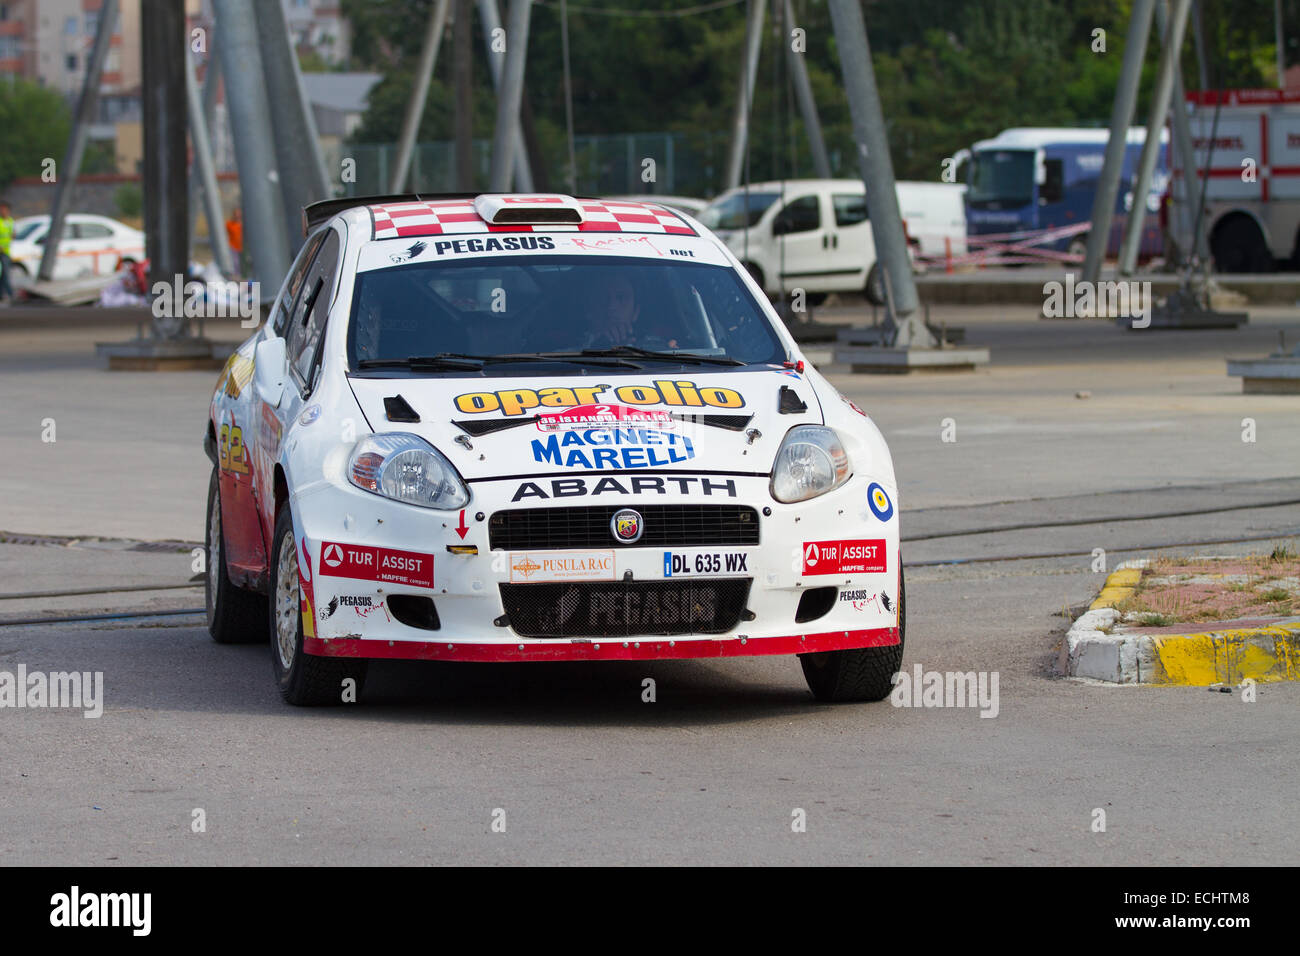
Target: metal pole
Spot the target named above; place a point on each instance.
(1173, 42)
(209, 105)
(507, 143)
(804, 96)
(491, 17)
(1191, 243)
(1279, 40)
(568, 96)
(301, 166)
(1202, 69)
(76, 147)
(745, 95)
(1121, 115)
(462, 67)
(250, 121)
(207, 172)
(162, 53)
(419, 94)
(877, 168)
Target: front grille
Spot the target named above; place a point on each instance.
(666, 526)
(611, 609)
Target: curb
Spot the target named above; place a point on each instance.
(1201, 659)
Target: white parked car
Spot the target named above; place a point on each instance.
(91, 246)
(534, 428)
(815, 234)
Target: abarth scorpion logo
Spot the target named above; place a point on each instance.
(626, 525)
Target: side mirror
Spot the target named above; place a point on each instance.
(269, 370)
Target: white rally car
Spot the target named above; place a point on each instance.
(538, 428)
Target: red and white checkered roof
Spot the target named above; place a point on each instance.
(396, 220)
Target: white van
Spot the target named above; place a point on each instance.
(815, 234)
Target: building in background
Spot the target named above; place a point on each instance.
(49, 42)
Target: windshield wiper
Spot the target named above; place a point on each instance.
(572, 357)
(685, 357)
(461, 361)
(443, 361)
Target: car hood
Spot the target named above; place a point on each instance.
(677, 420)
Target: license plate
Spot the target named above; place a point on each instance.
(681, 564)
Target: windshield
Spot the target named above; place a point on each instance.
(25, 229)
(520, 305)
(1002, 175)
(729, 212)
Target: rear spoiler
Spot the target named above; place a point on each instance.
(319, 213)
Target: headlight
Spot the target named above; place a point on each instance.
(811, 462)
(407, 468)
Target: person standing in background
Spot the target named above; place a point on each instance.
(235, 236)
(6, 236)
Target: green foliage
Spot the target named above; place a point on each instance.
(34, 125)
(950, 72)
(129, 200)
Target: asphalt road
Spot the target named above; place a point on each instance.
(712, 771)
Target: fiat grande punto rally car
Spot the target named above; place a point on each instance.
(538, 428)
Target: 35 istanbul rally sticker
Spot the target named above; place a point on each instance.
(858, 556)
(364, 563)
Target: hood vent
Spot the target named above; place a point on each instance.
(789, 402)
(399, 409)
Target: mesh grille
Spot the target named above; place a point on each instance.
(666, 526)
(625, 608)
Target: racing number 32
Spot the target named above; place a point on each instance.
(230, 450)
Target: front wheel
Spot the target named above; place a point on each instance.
(861, 673)
(305, 680)
(875, 286)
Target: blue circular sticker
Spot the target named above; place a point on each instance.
(879, 501)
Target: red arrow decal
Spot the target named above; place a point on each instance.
(462, 529)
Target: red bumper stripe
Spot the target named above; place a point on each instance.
(657, 648)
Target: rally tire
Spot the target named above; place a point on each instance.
(874, 288)
(235, 615)
(305, 680)
(858, 674)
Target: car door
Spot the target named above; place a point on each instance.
(95, 243)
(852, 247)
(801, 244)
(248, 444)
(67, 264)
(304, 335)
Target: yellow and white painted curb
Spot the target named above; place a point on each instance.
(1265, 653)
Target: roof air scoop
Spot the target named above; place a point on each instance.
(528, 210)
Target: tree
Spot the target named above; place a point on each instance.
(34, 126)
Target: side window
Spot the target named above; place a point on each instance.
(1053, 188)
(850, 209)
(307, 321)
(799, 215)
(93, 230)
(294, 284)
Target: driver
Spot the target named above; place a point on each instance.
(613, 318)
(611, 313)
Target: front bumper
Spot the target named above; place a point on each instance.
(365, 550)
